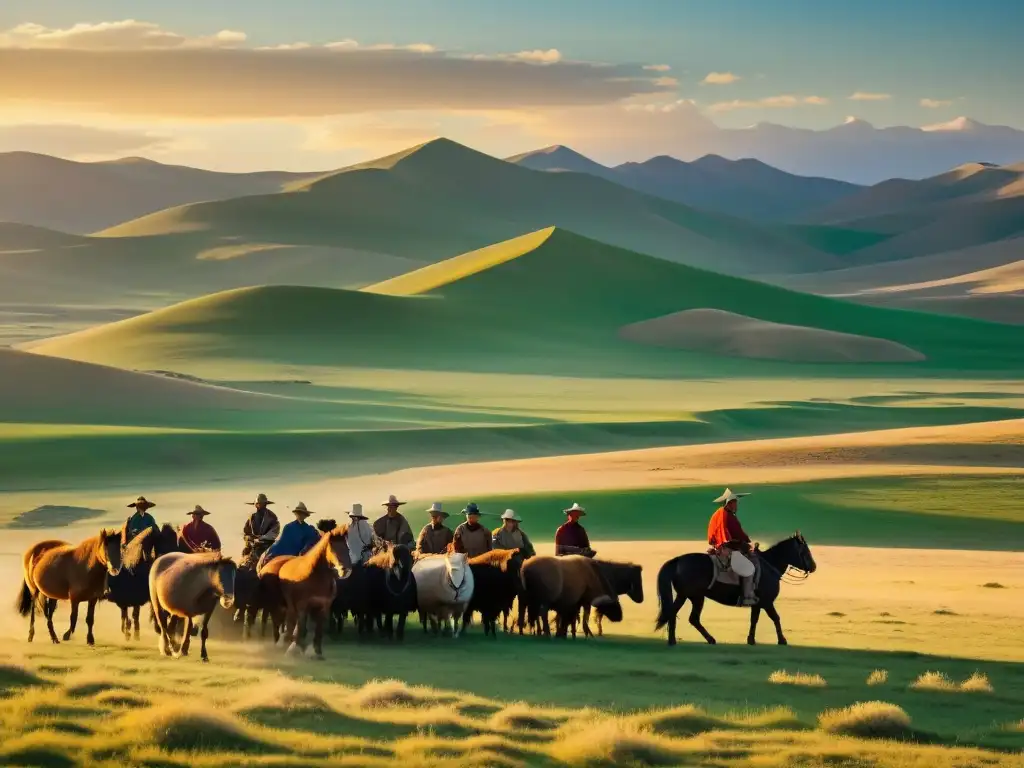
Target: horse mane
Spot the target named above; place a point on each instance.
(384, 559)
(311, 558)
(498, 558)
(137, 550)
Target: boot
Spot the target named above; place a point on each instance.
(749, 598)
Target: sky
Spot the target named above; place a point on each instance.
(311, 84)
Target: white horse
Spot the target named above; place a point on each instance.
(444, 587)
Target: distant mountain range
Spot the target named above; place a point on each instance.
(80, 198)
(858, 152)
(747, 188)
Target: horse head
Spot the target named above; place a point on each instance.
(795, 553)
(337, 549)
(110, 551)
(225, 580)
(636, 583)
(166, 541)
(403, 562)
(456, 565)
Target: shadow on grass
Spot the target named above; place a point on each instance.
(326, 723)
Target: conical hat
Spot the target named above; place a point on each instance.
(728, 495)
(199, 511)
(142, 503)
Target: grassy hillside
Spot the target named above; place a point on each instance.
(536, 304)
(442, 198)
(85, 197)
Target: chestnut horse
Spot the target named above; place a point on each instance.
(183, 585)
(55, 570)
(308, 585)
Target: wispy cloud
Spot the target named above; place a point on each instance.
(75, 141)
(769, 102)
(936, 103)
(658, 68)
(138, 68)
(720, 78)
(869, 96)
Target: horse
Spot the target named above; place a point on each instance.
(56, 570)
(496, 586)
(183, 585)
(690, 577)
(565, 584)
(130, 587)
(308, 586)
(381, 589)
(625, 579)
(444, 587)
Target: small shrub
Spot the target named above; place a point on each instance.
(933, 681)
(878, 677)
(867, 720)
(614, 742)
(977, 683)
(522, 717)
(782, 677)
(945, 612)
(993, 585)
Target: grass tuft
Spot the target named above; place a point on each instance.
(180, 729)
(391, 693)
(993, 585)
(520, 716)
(878, 677)
(977, 683)
(613, 742)
(782, 677)
(14, 676)
(933, 681)
(867, 720)
(122, 699)
(683, 722)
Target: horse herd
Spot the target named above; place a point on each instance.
(322, 588)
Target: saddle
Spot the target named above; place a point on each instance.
(723, 572)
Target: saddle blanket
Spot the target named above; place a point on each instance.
(722, 562)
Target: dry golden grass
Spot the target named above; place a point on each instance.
(782, 677)
(614, 741)
(878, 677)
(868, 719)
(393, 693)
(977, 683)
(936, 681)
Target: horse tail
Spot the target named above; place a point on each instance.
(23, 603)
(665, 597)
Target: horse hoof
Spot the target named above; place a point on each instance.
(67, 636)
(783, 641)
(55, 641)
(91, 642)
(205, 659)
(293, 650)
(750, 641)
(712, 641)
(31, 635)
(311, 651)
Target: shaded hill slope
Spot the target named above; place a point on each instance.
(442, 198)
(85, 197)
(551, 301)
(746, 188)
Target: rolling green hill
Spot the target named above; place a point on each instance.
(550, 301)
(442, 198)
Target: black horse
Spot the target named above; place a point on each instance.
(689, 577)
(379, 591)
(130, 587)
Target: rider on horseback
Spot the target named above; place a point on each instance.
(260, 531)
(571, 537)
(296, 538)
(725, 532)
(198, 535)
(362, 540)
(139, 521)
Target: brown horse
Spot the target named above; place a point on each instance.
(308, 585)
(183, 585)
(625, 579)
(565, 585)
(55, 570)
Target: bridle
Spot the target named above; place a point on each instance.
(451, 582)
(794, 575)
(387, 582)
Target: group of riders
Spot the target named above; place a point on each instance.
(265, 538)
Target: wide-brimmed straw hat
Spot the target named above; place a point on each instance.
(142, 503)
(199, 511)
(509, 514)
(392, 502)
(260, 499)
(575, 508)
(300, 509)
(729, 495)
(471, 509)
(356, 512)
(435, 509)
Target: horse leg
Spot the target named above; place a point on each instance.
(400, 630)
(318, 634)
(126, 623)
(755, 614)
(187, 637)
(203, 635)
(49, 609)
(74, 621)
(774, 616)
(36, 600)
(161, 624)
(586, 622)
(90, 618)
(296, 629)
(600, 624)
(136, 628)
(695, 611)
(673, 615)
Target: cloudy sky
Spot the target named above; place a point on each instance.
(310, 84)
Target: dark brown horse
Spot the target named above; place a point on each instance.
(564, 585)
(130, 587)
(690, 578)
(55, 570)
(624, 579)
(308, 585)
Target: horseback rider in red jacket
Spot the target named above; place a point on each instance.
(724, 530)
